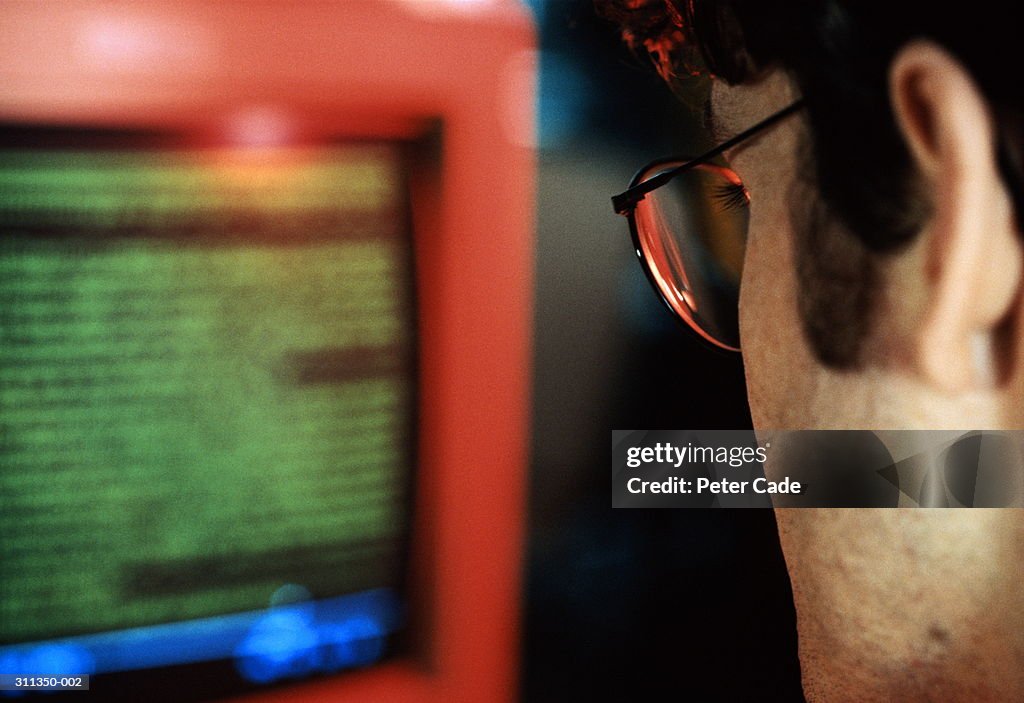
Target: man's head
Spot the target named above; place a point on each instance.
(883, 273)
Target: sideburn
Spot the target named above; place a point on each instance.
(837, 279)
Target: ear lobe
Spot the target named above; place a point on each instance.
(972, 258)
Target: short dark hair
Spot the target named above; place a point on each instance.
(838, 53)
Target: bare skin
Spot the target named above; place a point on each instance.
(901, 605)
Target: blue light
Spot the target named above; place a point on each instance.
(290, 641)
(287, 640)
(281, 644)
(564, 97)
(57, 660)
(10, 663)
(357, 642)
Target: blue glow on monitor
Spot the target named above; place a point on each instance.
(284, 641)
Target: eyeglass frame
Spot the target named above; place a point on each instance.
(625, 203)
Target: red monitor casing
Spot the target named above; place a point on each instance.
(354, 69)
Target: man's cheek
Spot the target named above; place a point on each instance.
(771, 338)
(757, 318)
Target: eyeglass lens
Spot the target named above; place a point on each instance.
(692, 236)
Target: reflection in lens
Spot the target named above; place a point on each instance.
(692, 233)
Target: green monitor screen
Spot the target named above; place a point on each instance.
(207, 397)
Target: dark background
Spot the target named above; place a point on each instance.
(629, 604)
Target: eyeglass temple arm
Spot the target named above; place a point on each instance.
(625, 202)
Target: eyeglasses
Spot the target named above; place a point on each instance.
(688, 218)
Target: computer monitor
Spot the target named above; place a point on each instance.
(265, 277)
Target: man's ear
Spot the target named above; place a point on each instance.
(972, 254)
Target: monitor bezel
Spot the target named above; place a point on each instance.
(390, 71)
